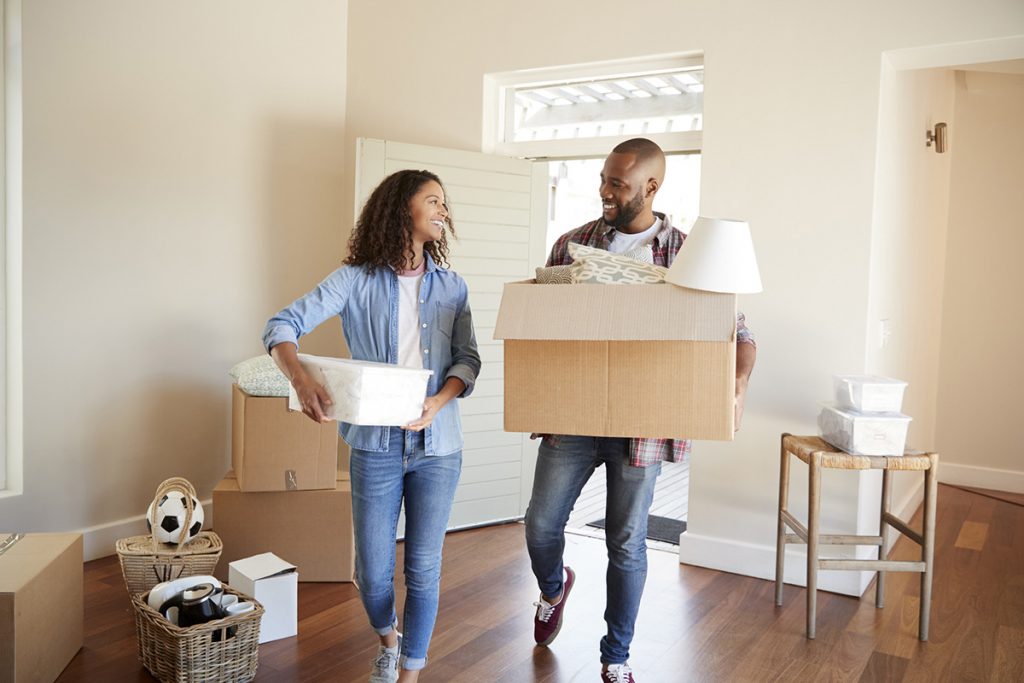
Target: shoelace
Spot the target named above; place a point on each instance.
(386, 661)
(544, 610)
(618, 673)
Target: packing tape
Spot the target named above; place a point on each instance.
(9, 542)
(291, 482)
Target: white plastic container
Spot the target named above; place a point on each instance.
(864, 433)
(869, 393)
(366, 393)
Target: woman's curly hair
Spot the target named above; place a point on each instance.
(383, 234)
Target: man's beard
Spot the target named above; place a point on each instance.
(625, 214)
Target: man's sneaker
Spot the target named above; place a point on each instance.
(385, 666)
(548, 621)
(617, 673)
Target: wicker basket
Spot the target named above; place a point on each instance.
(145, 562)
(221, 651)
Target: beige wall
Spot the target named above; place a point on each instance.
(981, 373)
(791, 110)
(908, 250)
(183, 170)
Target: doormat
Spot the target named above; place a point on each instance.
(658, 528)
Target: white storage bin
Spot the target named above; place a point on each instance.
(863, 433)
(366, 393)
(869, 393)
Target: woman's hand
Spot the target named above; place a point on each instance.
(313, 398)
(431, 405)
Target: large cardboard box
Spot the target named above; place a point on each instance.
(618, 360)
(275, 449)
(311, 529)
(41, 606)
(272, 581)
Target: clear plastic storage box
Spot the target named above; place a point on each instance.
(864, 433)
(869, 393)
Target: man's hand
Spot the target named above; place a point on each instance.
(313, 398)
(431, 405)
(741, 397)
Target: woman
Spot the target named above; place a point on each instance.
(398, 304)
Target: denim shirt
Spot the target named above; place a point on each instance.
(368, 306)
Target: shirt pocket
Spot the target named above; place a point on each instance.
(444, 321)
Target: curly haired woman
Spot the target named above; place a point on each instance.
(398, 303)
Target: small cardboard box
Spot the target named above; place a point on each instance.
(367, 393)
(274, 584)
(41, 604)
(313, 529)
(275, 449)
(653, 361)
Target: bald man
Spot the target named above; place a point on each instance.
(632, 176)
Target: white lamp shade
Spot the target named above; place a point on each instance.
(717, 256)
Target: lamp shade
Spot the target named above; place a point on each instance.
(717, 256)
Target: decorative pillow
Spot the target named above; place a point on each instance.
(554, 275)
(600, 267)
(260, 376)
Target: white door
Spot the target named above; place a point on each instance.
(499, 208)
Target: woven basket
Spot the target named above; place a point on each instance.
(221, 651)
(145, 562)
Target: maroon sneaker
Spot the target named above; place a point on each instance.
(617, 673)
(548, 621)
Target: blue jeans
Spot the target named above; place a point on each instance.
(380, 482)
(564, 465)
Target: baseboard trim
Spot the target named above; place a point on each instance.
(100, 540)
(989, 478)
(758, 561)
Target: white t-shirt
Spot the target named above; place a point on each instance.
(409, 352)
(622, 242)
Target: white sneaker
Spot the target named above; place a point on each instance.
(385, 666)
(617, 673)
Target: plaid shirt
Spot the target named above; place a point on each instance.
(642, 451)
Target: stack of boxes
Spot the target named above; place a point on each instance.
(285, 493)
(866, 417)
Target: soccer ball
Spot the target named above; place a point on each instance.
(165, 522)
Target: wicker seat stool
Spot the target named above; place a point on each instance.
(818, 454)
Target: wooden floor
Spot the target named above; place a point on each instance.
(695, 624)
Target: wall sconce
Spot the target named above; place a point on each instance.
(938, 137)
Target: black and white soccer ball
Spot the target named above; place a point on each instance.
(167, 518)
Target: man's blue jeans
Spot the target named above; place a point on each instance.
(564, 464)
(380, 482)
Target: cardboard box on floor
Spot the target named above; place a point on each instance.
(311, 529)
(41, 604)
(618, 360)
(275, 449)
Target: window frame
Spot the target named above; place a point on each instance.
(498, 109)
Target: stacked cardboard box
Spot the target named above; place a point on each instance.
(285, 493)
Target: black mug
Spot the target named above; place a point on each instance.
(195, 605)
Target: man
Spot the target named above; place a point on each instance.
(632, 175)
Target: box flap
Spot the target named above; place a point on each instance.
(25, 555)
(262, 566)
(614, 313)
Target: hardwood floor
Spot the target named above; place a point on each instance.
(695, 624)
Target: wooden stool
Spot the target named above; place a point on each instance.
(818, 454)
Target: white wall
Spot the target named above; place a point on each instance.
(908, 254)
(981, 373)
(183, 169)
(791, 116)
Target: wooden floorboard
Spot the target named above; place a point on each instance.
(695, 624)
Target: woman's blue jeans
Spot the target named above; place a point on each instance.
(380, 484)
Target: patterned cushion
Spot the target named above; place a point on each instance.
(260, 376)
(600, 267)
(554, 275)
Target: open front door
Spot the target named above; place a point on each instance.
(499, 206)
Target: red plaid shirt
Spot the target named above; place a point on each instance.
(642, 452)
